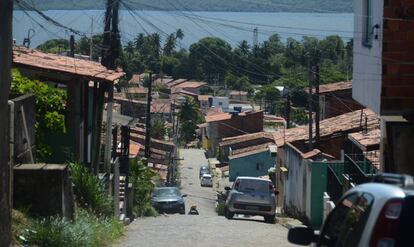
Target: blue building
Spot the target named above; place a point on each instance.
(253, 162)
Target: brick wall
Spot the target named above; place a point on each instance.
(340, 102)
(397, 97)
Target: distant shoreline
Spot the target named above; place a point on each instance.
(211, 11)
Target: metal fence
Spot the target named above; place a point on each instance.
(334, 185)
(358, 169)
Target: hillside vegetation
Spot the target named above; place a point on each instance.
(210, 5)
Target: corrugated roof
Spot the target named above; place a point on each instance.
(34, 59)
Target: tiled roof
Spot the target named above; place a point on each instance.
(367, 141)
(136, 90)
(273, 119)
(244, 138)
(90, 70)
(190, 84)
(161, 106)
(330, 126)
(332, 87)
(251, 151)
(163, 81)
(204, 97)
(135, 79)
(217, 117)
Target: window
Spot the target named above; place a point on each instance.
(345, 225)
(220, 103)
(367, 34)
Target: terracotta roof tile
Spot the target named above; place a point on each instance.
(238, 93)
(367, 141)
(204, 97)
(332, 87)
(339, 124)
(52, 62)
(190, 84)
(217, 117)
(245, 138)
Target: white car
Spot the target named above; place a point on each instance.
(206, 180)
(251, 196)
(372, 214)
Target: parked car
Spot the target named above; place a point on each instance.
(372, 214)
(206, 180)
(251, 196)
(204, 170)
(168, 200)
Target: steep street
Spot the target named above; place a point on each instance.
(206, 229)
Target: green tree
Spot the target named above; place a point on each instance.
(84, 44)
(189, 116)
(50, 109)
(158, 130)
(54, 46)
(210, 58)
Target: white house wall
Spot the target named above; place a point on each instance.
(367, 69)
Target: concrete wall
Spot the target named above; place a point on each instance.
(44, 189)
(367, 68)
(222, 102)
(246, 166)
(297, 186)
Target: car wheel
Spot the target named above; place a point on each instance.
(229, 215)
(270, 219)
(182, 211)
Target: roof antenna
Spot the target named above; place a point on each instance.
(26, 41)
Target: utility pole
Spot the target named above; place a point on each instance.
(72, 46)
(288, 111)
(91, 41)
(6, 51)
(148, 119)
(255, 37)
(317, 110)
(310, 107)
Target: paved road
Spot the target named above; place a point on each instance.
(206, 229)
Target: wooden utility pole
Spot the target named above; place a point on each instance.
(148, 119)
(72, 46)
(317, 107)
(310, 107)
(288, 111)
(6, 56)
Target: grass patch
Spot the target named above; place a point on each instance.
(86, 230)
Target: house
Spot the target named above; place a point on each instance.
(138, 93)
(220, 125)
(85, 99)
(190, 86)
(382, 76)
(336, 99)
(248, 155)
(204, 101)
(135, 80)
(302, 174)
(238, 96)
(220, 102)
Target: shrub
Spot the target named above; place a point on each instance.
(90, 191)
(85, 230)
(141, 179)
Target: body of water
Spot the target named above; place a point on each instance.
(230, 26)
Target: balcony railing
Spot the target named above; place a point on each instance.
(334, 184)
(358, 169)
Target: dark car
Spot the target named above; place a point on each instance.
(204, 170)
(168, 200)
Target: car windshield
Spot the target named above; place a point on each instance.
(253, 185)
(167, 192)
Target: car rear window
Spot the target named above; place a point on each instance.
(253, 185)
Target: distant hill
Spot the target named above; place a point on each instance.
(209, 5)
